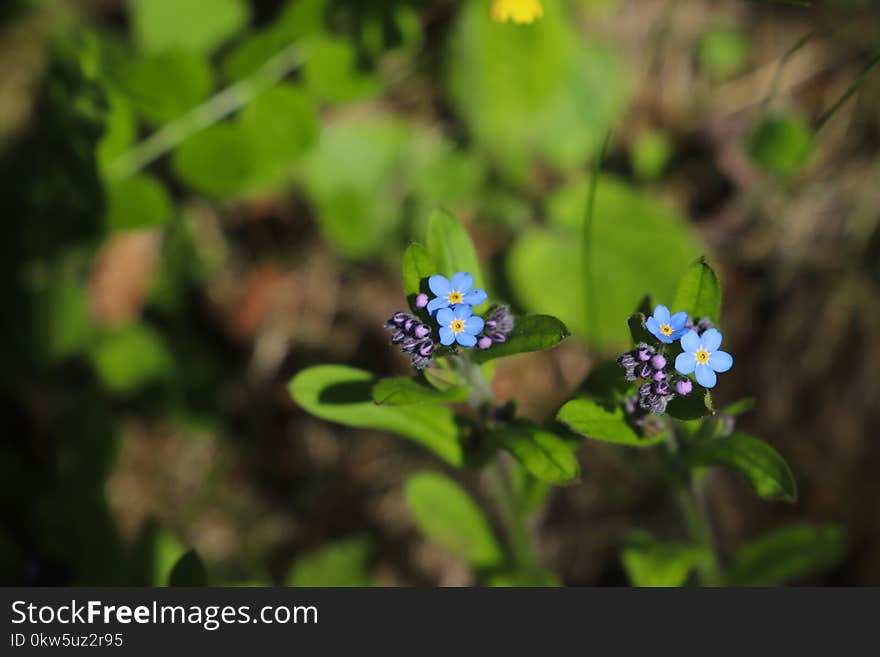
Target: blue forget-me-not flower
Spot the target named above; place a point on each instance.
(459, 290)
(703, 357)
(665, 327)
(459, 324)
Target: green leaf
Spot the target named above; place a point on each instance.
(782, 144)
(346, 563)
(404, 391)
(356, 177)
(739, 407)
(545, 455)
(451, 247)
(592, 420)
(128, 358)
(762, 465)
(344, 394)
(217, 161)
(692, 407)
(787, 554)
(547, 93)
(417, 266)
(190, 24)
(331, 75)
(163, 87)
(447, 515)
(637, 330)
(699, 292)
(650, 155)
(137, 202)
(544, 265)
(649, 562)
(188, 571)
(530, 333)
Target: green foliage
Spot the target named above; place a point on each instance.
(543, 92)
(195, 25)
(650, 155)
(544, 265)
(164, 86)
(758, 462)
(356, 178)
(447, 515)
(451, 247)
(723, 52)
(256, 153)
(137, 202)
(699, 292)
(530, 333)
(417, 266)
(344, 563)
(330, 73)
(406, 391)
(595, 421)
(696, 405)
(782, 144)
(543, 454)
(344, 394)
(649, 562)
(787, 554)
(131, 357)
(188, 571)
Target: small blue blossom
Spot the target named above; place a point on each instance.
(458, 324)
(459, 290)
(664, 327)
(702, 356)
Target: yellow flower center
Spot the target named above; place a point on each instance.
(457, 326)
(702, 356)
(455, 297)
(519, 11)
(666, 329)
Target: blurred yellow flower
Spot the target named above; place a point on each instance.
(519, 11)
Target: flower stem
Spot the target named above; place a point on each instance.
(522, 549)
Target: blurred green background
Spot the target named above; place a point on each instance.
(203, 197)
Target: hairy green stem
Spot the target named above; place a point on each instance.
(216, 108)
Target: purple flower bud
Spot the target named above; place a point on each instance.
(658, 362)
(420, 362)
(398, 336)
(645, 371)
(408, 324)
(499, 337)
(659, 375)
(491, 325)
(426, 348)
(484, 342)
(631, 374)
(658, 405)
(399, 318)
(627, 360)
(661, 388)
(421, 300)
(409, 344)
(645, 351)
(683, 387)
(421, 331)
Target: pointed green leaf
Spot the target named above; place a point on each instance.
(637, 330)
(344, 394)
(417, 266)
(404, 391)
(530, 333)
(592, 420)
(451, 247)
(345, 563)
(699, 292)
(545, 455)
(447, 515)
(762, 465)
(786, 554)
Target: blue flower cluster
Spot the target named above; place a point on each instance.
(700, 355)
(453, 310)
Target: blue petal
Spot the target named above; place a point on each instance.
(474, 325)
(436, 304)
(466, 339)
(654, 327)
(462, 282)
(720, 361)
(690, 342)
(685, 363)
(445, 317)
(475, 297)
(705, 376)
(447, 336)
(439, 285)
(462, 310)
(678, 320)
(711, 339)
(677, 333)
(661, 314)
